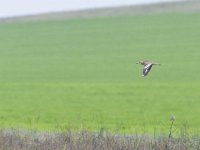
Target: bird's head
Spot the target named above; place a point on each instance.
(139, 62)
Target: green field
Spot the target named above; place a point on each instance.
(81, 73)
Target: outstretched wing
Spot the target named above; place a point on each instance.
(146, 69)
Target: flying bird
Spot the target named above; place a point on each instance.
(147, 66)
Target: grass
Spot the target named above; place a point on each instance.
(81, 74)
(93, 141)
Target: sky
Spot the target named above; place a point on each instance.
(10, 8)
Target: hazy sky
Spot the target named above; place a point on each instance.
(25, 7)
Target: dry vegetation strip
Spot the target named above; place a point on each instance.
(19, 140)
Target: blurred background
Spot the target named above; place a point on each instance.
(10, 8)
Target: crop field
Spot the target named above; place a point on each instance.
(82, 73)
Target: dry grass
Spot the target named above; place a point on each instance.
(84, 140)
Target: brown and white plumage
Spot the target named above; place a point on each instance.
(147, 66)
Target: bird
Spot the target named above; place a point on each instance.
(147, 66)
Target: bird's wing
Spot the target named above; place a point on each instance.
(146, 69)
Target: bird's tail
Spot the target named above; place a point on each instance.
(156, 64)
